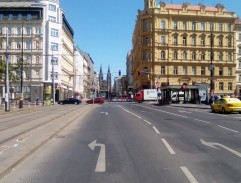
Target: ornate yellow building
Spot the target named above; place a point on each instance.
(172, 46)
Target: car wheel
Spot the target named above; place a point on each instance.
(223, 110)
(212, 109)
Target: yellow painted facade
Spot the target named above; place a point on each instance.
(171, 45)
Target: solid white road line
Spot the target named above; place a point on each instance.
(188, 174)
(147, 122)
(169, 148)
(228, 129)
(156, 130)
(202, 121)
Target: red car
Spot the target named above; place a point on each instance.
(97, 100)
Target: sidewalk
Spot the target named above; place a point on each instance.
(188, 105)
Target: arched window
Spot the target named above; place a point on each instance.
(202, 56)
(162, 54)
(175, 56)
(193, 55)
(220, 56)
(184, 55)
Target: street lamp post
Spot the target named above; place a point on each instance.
(21, 72)
(7, 103)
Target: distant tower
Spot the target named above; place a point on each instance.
(109, 79)
(150, 4)
(101, 84)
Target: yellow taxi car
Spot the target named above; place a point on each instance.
(226, 104)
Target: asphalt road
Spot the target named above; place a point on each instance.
(138, 143)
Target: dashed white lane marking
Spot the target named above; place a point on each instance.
(228, 129)
(169, 148)
(202, 121)
(156, 130)
(188, 174)
(130, 112)
(147, 122)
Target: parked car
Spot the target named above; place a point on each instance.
(97, 100)
(70, 101)
(226, 104)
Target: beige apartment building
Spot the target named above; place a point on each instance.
(172, 46)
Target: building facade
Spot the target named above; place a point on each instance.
(38, 34)
(172, 46)
(238, 56)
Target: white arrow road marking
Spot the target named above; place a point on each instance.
(213, 144)
(188, 174)
(106, 113)
(101, 163)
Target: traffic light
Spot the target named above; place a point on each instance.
(119, 72)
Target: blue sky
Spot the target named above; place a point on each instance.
(104, 28)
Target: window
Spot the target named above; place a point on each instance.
(203, 71)
(239, 78)
(175, 55)
(163, 24)
(220, 56)
(38, 30)
(229, 42)
(220, 71)
(146, 26)
(163, 70)
(175, 40)
(194, 41)
(52, 7)
(184, 55)
(239, 37)
(1, 30)
(221, 86)
(184, 71)
(193, 70)
(229, 56)
(220, 41)
(194, 26)
(28, 44)
(239, 50)
(20, 16)
(163, 39)
(37, 59)
(10, 17)
(211, 27)
(55, 75)
(184, 40)
(18, 45)
(28, 30)
(19, 30)
(29, 16)
(230, 86)
(202, 56)
(54, 46)
(175, 25)
(220, 27)
(202, 26)
(54, 32)
(184, 25)
(52, 19)
(9, 30)
(229, 71)
(193, 55)
(146, 55)
(239, 63)
(202, 41)
(175, 71)
(162, 54)
(229, 28)
(54, 60)
(1, 16)
(37, 45)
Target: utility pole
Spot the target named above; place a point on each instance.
(21, 73)
(7, 103)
